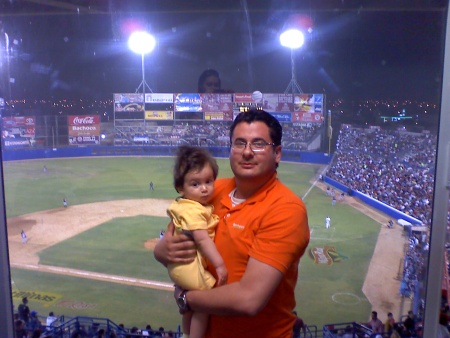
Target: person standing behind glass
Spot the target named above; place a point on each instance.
(209, 81)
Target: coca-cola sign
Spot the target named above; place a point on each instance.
(83, 120)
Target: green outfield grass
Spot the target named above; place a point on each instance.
(325, 293)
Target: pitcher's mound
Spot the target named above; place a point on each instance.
(151, 243)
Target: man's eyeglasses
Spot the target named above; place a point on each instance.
(254, 146)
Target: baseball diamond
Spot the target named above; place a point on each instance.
(94, 258)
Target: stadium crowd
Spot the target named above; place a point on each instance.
(394, 167)
(212, 134)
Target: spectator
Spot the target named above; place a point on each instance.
(348, 332)
(34, 323)
(375, 324)
(51, 318)
(148, 330)
(299, 326)
(24, 311)
(410, 324)
(397, 331)
(36, 333)
(20, 331)
(389, 323)
(209, 81)
(100, 333)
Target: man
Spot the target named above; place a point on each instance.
(262, 233)
(410, 324)
(24, 310)
(327, 222)
(50, 320)
(375, 324)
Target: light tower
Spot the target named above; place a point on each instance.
(142, 43)
(293, 39)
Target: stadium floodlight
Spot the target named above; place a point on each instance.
(293, 39)
(142, 43)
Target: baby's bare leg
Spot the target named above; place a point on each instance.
(186, 323)
(199, 323)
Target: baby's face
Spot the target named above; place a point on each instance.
(199, 185)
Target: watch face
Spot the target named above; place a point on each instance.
(181, 302)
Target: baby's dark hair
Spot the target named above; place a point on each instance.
(191, 158)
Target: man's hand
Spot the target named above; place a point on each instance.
(174, 249)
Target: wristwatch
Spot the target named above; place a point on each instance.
(182, 301)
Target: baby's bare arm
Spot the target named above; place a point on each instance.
(206, 246)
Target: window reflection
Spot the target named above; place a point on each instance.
(376, 127)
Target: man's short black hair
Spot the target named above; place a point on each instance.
(253, 115)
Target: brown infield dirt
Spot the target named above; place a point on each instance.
(46, 228)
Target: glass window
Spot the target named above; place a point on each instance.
(91, 120)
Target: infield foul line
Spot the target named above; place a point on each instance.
(96, 275)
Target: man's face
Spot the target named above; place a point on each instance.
(248, 164)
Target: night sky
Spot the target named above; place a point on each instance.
(351, 52)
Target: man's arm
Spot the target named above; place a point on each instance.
(246, 297)
(174, 249)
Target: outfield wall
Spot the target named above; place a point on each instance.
(394, 213)
(28, 154)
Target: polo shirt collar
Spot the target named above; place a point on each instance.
(257, 196)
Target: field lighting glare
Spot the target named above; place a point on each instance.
(292, 38)
(142, 43)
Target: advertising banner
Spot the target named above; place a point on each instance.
(274, 102)
(243, 98)
(158, 115)
(217, 102)
(128, 107)
(159, 98)
(18, 131)
(225, 116)
(188, 102)
(270, 102)
(308, 108)
(84, 129)
(309, 103)
(297, 108)
(285, 102)
(307, 117)
(128, 98)
(282, 117)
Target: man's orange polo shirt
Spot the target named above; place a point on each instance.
(272, 227)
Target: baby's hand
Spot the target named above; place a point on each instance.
(222, 275)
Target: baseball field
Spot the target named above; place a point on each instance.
(94, 257)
